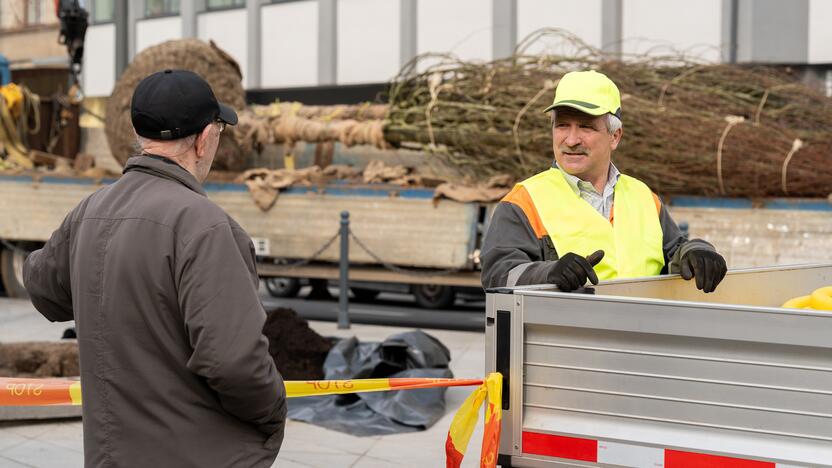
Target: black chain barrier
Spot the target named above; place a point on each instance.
(398, 269)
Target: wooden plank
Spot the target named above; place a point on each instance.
(761, 237)
(401, 231)
(33, 210)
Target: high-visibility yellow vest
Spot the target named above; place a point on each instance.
(632, 243)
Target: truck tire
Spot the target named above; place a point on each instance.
(11, 271)
(434, 296)
(364, 294)
(283, 287)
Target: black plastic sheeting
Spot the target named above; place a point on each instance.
(410, 354)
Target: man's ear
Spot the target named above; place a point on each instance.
(202, 139)
(616, 138)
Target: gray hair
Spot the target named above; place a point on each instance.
(176, 147)
(613, 122)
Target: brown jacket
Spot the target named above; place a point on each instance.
(162, 286)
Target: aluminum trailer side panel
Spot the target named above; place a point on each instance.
(404, 229)
(639, 378)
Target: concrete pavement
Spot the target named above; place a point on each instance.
(59, 443)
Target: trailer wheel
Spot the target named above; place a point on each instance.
(283, 287)
(364, 294)
(434, 296)
(11, 271)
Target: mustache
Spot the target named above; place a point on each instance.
(574, 149)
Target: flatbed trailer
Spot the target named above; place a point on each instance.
(401, 226)
(653, 373)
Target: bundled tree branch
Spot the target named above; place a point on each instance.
(485, 119)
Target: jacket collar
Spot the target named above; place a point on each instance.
(163, 167)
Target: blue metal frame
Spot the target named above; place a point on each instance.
(345, 189)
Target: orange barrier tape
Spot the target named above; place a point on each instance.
(40, 392)
(300, 388)
(462, 427)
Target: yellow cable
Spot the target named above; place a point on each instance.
(822, 298)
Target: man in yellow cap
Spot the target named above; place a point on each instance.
(582, 219)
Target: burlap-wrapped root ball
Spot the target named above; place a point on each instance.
(207, 60)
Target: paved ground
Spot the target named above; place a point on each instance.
(59, 444)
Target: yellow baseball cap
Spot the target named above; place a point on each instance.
(589, 92)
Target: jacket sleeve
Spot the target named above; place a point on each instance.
(217, 288)
(512, 253)
(675, 242)
(46, 276)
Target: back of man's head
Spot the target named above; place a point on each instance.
(174, 104)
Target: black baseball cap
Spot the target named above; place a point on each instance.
(173, 104)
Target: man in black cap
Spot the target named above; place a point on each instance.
(162, 286)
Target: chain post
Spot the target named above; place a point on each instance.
(343, 282)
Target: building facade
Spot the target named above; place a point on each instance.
(286, 44)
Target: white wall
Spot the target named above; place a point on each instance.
(660, 27)
(150, 32)
(820, 34)
(460, 27)
(99, 68)
(289, 46)
(368, 40)
(579, 17)
(227, 29)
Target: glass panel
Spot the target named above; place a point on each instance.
(103, 11)
(219, 4)
(32, 15)
(161, 8)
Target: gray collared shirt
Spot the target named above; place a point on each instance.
(602, 202)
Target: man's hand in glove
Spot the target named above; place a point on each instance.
(571, 271)
(707, 266)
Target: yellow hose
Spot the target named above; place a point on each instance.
(820, 299)
(801, 302)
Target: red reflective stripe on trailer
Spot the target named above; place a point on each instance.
(574, 448)
(550, 445)
(677, 459)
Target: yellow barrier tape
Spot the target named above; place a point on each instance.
(466, 418)
(40, 392)
(43, 392)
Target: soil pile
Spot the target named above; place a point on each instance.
(39, 359)
(298, 351)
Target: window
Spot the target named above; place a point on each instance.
(41, 12)
(223, 4)
(103, 11)
(19, 14)
(154, 8)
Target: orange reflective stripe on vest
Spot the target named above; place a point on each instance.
(632, 245)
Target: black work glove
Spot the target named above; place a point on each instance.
(571, 271)
(707, 266)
